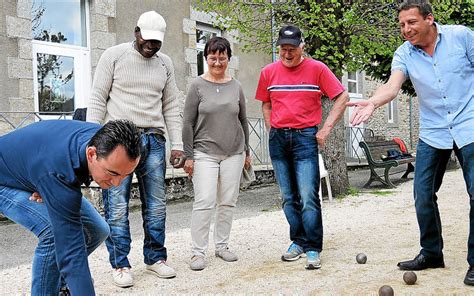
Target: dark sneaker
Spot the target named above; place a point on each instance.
(469, 278)
(293, 253)
(313, 260)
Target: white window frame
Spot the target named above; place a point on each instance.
(200, 46)
(357, 94)
(391, 112)
(82, 66)
(354, 139)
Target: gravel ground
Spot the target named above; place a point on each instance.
(381, 224)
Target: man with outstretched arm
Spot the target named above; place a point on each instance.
(439, 61)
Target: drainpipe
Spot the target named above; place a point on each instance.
(272, 24)
(411, 121)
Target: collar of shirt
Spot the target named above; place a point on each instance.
(82, 172)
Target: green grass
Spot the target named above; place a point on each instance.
(353, 191)
(381, 192)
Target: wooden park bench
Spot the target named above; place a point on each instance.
(376, 151)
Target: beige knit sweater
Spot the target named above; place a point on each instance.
(142, 90)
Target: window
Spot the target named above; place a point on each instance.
(353, 87)
(55, 77)
(59, 21)
(391, 111)
(61, 78)
(61, 56)
(203, 34)
(355, 90)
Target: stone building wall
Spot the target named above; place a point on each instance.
(16, 82)
(102, 28)
(17, 57)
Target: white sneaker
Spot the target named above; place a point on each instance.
(123, 277)
(197, 263)
(161, 269)
(226, 255)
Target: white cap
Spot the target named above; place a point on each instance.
(152, 26)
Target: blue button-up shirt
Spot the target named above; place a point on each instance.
(444, 84)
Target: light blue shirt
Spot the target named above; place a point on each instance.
(444, 84)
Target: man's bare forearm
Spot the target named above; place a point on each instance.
(337, 111)
(267, 112)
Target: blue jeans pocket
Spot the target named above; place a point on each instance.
(308, 132)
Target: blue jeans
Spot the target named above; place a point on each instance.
(429, 171)
(150, 173)
(294, 154)
(15, 205)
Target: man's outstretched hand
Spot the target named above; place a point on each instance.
(362, 111)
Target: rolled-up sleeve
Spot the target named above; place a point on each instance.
(398, 63)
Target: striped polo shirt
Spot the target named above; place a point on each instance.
(295, 93)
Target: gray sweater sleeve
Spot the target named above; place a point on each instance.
(243, 119)
(191, 106)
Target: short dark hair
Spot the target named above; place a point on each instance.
(115, 133)
(424, 6)
(217, 44)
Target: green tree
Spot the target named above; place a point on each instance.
(445, 12)
(343, 34)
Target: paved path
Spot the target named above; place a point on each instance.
(381, 224)
(17, 244)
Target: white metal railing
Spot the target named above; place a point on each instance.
(17, 119)
(354, 135)
(258, 135)
(258, 141)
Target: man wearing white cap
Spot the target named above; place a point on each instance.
(135, 81)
